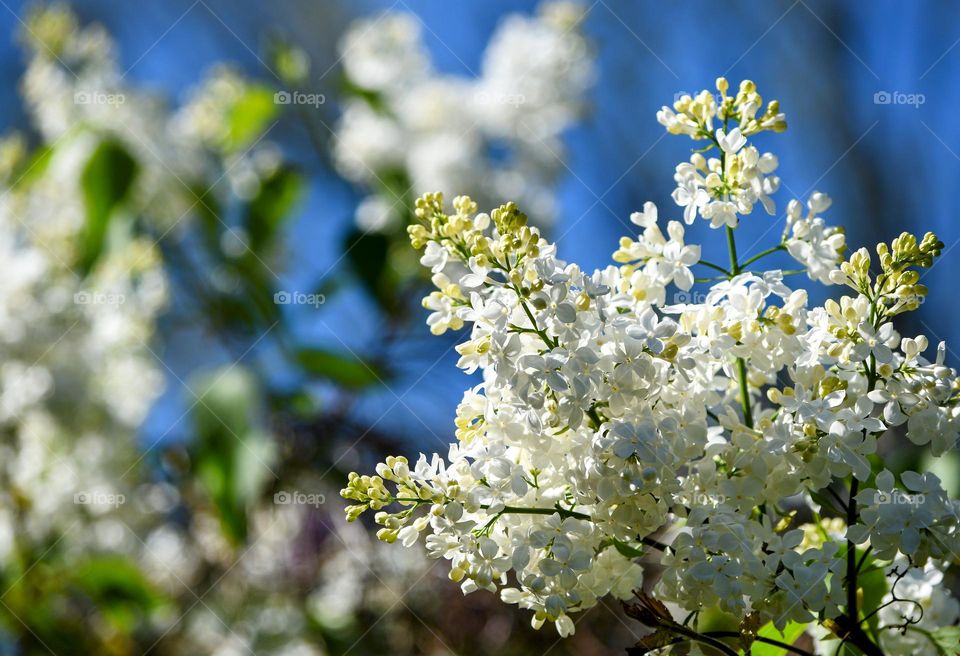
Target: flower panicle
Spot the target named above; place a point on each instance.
(617, 404)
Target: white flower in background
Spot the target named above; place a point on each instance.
(408, 129)
(75, 90)
(385, 53)
(78, 376)
(608, 417)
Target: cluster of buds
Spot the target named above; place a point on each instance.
(411, 492)
(467, 234)
(694, 115)
(744, 106)
(896, 288)
(369, 491)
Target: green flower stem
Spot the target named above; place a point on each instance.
(716, 267)
(732, 251)
(759, 256)
(513, 509)
(704, 638)
(852, 552)
(563, 512)
(856, 635)
(741, 363)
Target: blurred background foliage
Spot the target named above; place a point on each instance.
(210, 313)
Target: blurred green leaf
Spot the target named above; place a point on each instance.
(626, 550)
(32, 167)
(208, 209)
(266, 212)
(373, 98)
(249, 117)
(790, 633)
(231, 455)
(290, 61)
(343, 369)
(947, 469)
(106, 180)
(251, 305)
(947, 640)
(874, 585)
(118, 589)
(368, 254)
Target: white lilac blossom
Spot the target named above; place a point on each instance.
(75, 88)
(78, 375)
(608, 420)
(409, 129)
(78, 372)
(817, 246)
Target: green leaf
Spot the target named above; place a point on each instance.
(626, 550)
(291, 62)
(249, 116)
(947, 639)
(874, 585)
(232, 457)
(106, 180)
(947, 469)
(118, 589)
(791, 632)
(343, 369)
(373, 98)
(33, 167)
(115, 579)
(266, 212)
(367, 255)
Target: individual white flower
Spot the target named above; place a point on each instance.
(731, 142)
